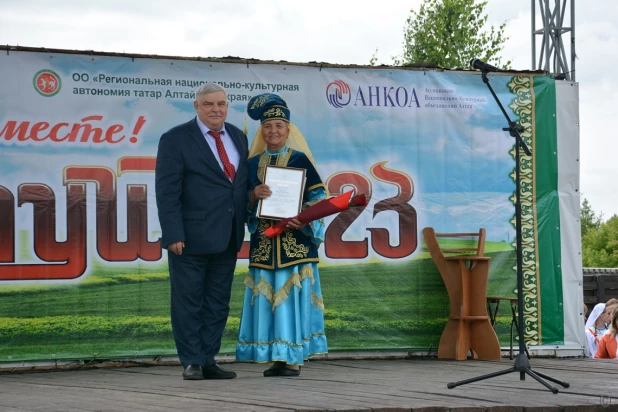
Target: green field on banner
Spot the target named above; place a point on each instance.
(116, 314)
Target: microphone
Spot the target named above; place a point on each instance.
(482, 66)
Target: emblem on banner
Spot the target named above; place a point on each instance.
(47, 83)
(338, 93)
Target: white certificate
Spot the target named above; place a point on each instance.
(287, 185)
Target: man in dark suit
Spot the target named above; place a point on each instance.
(201, 190)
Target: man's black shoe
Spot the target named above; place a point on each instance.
(215, 372)
(193, 373)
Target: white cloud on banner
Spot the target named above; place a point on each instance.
(490, 144)
(464, 212)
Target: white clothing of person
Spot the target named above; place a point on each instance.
(592, 333)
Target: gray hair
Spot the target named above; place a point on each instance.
(208, 88)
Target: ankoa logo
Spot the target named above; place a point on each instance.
(47, 83)
(339, 94)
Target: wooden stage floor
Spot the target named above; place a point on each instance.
(325, 385)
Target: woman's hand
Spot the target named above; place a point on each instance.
(295, 224)
(260, 192)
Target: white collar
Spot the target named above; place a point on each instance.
(205, 129)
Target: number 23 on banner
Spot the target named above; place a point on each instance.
(337, 248)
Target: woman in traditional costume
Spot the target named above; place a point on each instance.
(282, 319)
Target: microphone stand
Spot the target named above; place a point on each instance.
(522, 363)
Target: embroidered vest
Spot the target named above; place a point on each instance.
(292, 246)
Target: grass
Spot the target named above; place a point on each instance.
(120, 313)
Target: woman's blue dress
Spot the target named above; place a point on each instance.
(283, 312)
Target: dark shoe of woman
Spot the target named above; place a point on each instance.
(285, 371)
(274, 370)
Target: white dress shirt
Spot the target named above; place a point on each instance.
(228, 143)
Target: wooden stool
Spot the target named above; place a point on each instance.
(465, 278)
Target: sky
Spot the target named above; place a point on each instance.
(333, 31)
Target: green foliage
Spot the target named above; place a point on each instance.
(600, 246)
(589, 219)
(374, 59)
(80, 327)
(449, 33)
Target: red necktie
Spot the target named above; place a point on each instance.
(228, 168)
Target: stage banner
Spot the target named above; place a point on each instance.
(82, 273)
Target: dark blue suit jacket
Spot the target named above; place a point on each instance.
(195, 200)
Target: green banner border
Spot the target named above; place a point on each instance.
(549, 261)
(535, 104)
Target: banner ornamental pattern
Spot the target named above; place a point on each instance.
(523, 106)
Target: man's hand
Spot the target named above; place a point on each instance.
(177, 247)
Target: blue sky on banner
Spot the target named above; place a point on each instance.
(343, 31)
(457, 158)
